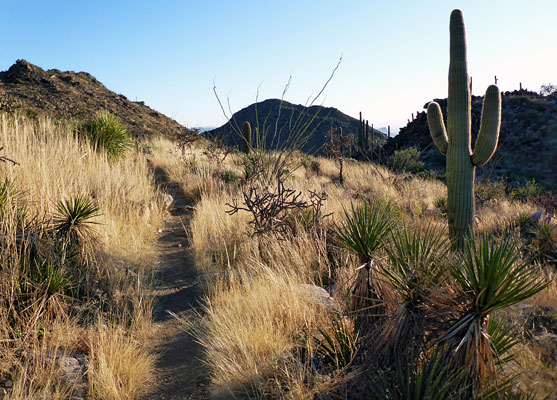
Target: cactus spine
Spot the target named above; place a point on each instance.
(455, 141)
(246, 134)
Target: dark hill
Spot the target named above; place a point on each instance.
(275, 115)
(527, 141)
(70, 95)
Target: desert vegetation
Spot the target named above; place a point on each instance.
(404, 310)
(76, 251)
(347, 290)
(344, 276)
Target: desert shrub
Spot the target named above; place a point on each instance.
(406, 160)
(529, 117)
(486, 192)
(547, 201)
(441, 204)
(524, 191)
(106, 134)
(8, 104)
(311, 164)
(338, 147)
(271, 208)
(229, 177)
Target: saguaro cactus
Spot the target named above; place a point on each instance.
(246, 135)
(455, 140)
(362, 144)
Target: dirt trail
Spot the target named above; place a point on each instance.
(180, 373)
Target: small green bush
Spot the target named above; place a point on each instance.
(486, 192)
(106, 134)
(530, 189)
(229, 177)
(406, 160)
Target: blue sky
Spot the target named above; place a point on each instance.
(394, 53)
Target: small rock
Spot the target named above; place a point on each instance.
(537, 216)
(74, 368)
(318, 295)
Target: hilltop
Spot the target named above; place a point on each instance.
(274, 112)
(527, 141)
(69, 95)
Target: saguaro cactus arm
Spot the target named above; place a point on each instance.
(437, 127)
(486, 143)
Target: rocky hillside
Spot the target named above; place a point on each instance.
(287, 120)
(69, 95)
(527, 143)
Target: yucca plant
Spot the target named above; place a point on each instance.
(416, 266)
(491, 276)
(338, 348)
(363, 231)
(106, 134)
(545, 241)
(74, 222)
(428, 379)
(51, 279)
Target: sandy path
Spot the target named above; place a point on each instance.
(180, 373)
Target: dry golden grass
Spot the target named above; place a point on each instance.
(54, 165)
(265, 316)
(119, 366)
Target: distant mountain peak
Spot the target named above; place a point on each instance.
(286, 117)
(71, 95)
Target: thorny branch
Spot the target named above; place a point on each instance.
(269, 209)
(6, 159)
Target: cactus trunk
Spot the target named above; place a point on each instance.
(455, 141)
(460, 171)
(246, 135)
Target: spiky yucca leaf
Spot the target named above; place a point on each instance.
(429, 379)
(75, 218)
(416, 264)
(364, 229)
(492, 276)
(51, 278)
(107, 134)
(507, 390)
(337, 349)
(416, 260)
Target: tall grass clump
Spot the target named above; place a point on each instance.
(107, 134)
